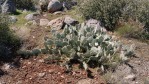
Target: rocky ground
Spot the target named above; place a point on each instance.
(35, 71)
(136, 71)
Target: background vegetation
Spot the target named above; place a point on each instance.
(26, 4)
(9, 43)
(109, 12)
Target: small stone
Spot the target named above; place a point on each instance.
(41, 60)
(33, 36)
(58, 73)
(130, 77)
(42, 74)
(6, 66)
(62, 76)
(29, 62)
(51, 71)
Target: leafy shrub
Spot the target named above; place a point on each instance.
(110, 11)
(9, 43)
(89, 46)
(132, 29)
(26, 4)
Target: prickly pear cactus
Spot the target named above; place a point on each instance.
(90, 46)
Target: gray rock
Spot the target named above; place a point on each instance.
(32, 16)
(13, 19)
(69, 4)
(70, 21)
(58, 13)
(54, 5)
(93, 23)
(8, 7)
(44, 22)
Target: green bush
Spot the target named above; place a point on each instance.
(110, 11)
(26, 4)
(133, 30)
(9, 43)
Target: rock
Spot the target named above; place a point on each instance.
(31, 23)
(54, 5)
(66, 6)
(42, 74)
(6, 66)
(69, 4)
(58, 13)
(131, 77)
(95, 24)
(41, 61)
(8, 7)
(44, 22)
(13, 19)
(57, 23)
(32, 16)
(70, 21)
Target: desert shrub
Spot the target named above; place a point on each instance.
(26, 4)
(88, 46)
(132, 29)
(110, 11)
(9, 43)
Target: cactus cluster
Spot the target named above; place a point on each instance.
(89, 46)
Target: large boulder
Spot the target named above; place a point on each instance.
(8, 6)
(54, 5)
(32, 16)
(57, 23)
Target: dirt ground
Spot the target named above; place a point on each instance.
(136, 70)
(35, 71)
